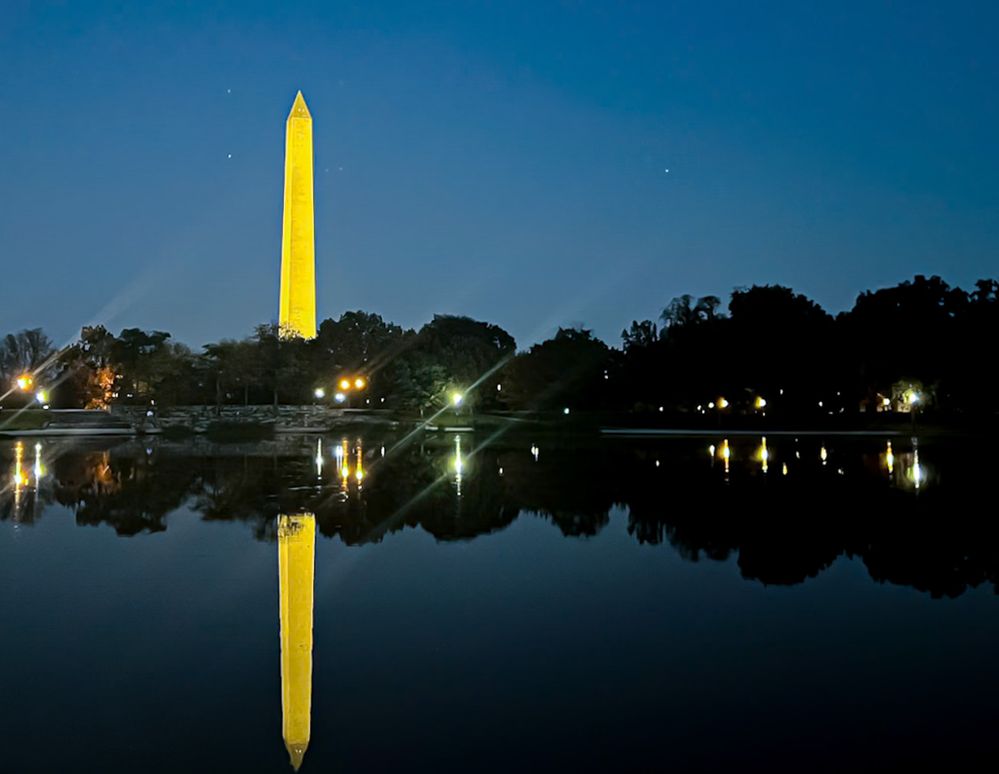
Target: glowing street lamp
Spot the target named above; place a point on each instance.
(761, 402)
(42, 396)
(320, 393)
(24, 382)
(456, 399)
(347, 384)
(722, 403)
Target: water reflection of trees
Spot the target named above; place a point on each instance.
(780, 528)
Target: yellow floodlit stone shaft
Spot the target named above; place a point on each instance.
(296, 564)
(297, 315)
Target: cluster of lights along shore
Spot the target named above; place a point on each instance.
(908, 401)
(26, 382)
(345, 386)
(356, 384)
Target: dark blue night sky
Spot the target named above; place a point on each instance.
(501, 160)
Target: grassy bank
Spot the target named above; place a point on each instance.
(12, 420)
(239, 432)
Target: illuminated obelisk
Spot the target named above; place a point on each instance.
(296, 563)
(297, 315)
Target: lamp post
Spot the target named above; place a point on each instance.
(913, 405)
(720, 404)
(346, 386)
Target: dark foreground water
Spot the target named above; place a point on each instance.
(520, 605)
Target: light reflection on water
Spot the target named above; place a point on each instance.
(133, 487)
(649, 528)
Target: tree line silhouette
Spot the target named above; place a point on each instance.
(770, 351)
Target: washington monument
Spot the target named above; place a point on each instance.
(297, 314)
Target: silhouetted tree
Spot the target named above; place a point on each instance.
(908, 331)
(641, 335)
(469, 353)
(780, 340)
(26, 351)
(564, 371)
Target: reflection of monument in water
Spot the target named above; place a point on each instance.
(296, 563)
(297, 312)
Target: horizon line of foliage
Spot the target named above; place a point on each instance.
(772, 342)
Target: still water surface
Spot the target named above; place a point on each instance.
(498, 605)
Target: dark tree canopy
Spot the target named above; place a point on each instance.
(921, 336)
(565, 371)
(467, 352)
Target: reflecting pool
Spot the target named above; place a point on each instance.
(457, 602)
